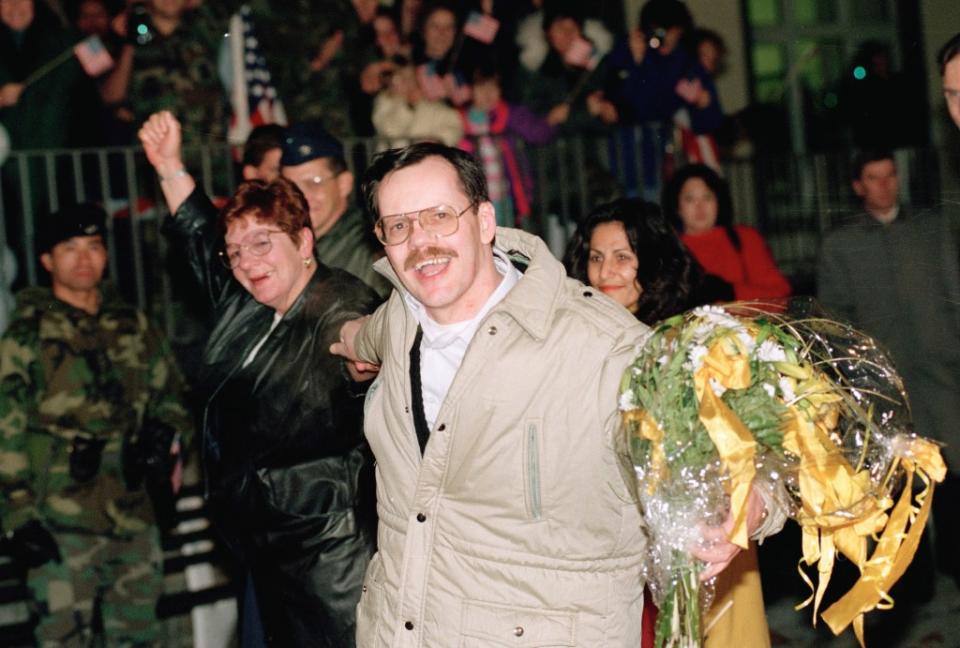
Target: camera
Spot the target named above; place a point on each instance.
(656, 38)
(140, 29)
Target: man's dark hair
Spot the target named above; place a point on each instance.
(863, 158)
(473, 182)
(431, 6)
(572, 9)
(665, 14)
(949, 51)
(666, 271)
(716, 184)
(261, 140)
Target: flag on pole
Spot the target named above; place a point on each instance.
(93, 56)
(481, 27)
(581, 54)
(253, 97)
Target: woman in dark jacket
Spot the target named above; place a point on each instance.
(289, 478)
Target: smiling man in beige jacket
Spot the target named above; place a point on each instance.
(507, 517)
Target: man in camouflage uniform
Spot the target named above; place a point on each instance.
(315, 50)
(170, 62)
(314, 160)
(90, 415)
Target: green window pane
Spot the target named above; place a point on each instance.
(764, 13)
(821, 62)
(769, 60)
(769, 90)
(814, 12)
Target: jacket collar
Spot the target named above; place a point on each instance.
(533, 300)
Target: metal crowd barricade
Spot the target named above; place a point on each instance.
(791, 199)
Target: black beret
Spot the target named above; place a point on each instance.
(85, 219)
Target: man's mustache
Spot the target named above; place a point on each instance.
(427, 253)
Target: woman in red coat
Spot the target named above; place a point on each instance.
(698, 203)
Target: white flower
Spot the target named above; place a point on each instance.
(770, 351)
(626, 401)
(717, 388)
(787, 388)
(697, 353)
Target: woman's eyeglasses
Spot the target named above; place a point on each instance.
(258, 246)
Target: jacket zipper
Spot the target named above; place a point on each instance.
(533, 471)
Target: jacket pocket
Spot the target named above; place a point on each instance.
(370, 605)
(489, 624)
(531, 469)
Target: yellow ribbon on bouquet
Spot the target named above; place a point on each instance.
(647, 428)
(728, 365)
(839, 513)
(896, 547)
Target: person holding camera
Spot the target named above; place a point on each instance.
(654, 76)
(92, 425)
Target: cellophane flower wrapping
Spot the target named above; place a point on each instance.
(722, 400)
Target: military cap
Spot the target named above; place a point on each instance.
(309, 141)
(85, 219)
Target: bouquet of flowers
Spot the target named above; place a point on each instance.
(720, 398)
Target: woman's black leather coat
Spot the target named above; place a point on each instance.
(289, 475)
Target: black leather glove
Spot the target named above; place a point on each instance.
(85, 456)
(147, 462)
(30, 545)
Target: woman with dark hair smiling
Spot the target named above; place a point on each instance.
(627, 250)
(697, 202)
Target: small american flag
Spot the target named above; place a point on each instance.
(93, 56)
(431, 84)
(481, 27)
(581, 54)
(253, 98)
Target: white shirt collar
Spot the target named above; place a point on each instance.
(438, 336)
(888, 216)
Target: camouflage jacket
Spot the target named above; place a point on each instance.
(65, 375)
(179, 73)
(350, 246)
(291, 35)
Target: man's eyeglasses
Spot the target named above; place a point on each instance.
(442, 220)
(259, 246)
(307, 185)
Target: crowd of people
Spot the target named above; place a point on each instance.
(406, 409)
(337, 60)
(417, 70)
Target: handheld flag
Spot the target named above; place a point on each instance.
(93, 56)
(481, 27)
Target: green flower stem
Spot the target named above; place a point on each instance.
(679, 624)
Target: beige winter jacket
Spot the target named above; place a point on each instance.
(516, 528)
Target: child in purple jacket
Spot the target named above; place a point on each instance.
(491, 129)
